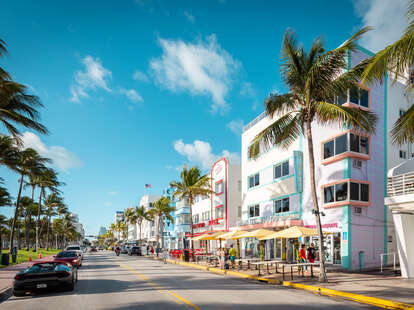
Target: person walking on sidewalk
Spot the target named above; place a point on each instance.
(232, 253)
(302, 255)
(311, 253)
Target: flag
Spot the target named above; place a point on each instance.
(147, 185)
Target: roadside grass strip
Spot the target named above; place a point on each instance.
(378, 302)
(177, 298)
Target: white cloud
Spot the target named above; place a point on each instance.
(388, 19)
(132, 95)
(200, 152)
(189, 16)
(61, 157)
(236, 126)
(201, 68)
(140, 76)
(94, 76)
(247, 90)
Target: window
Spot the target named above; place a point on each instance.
(403, 154)
(402, 112)
(219, 212)
(205, 216)
(195, 219)
(239, 211)
(254, 180)
(281, 170)
(339, 145)
(239, 185)
(219, 187)
(183, 219)
(339, 192)
(281, 205)
(254, 211)
(359, 96)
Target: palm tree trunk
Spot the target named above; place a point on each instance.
(192, 230)
(47, 233)
(29, 221)
(16, 213)
(1, 241)
(38, 218)
(140, 231)
(322, 273)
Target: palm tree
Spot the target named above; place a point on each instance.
(130, 217)
(192, 184)
(313, 78)
(26, 204)
(16, 106)
(161, 209)
(397, 59)
(47, 179)
(28, 160)
(141, 215)
(8, 152)
(5, 200)
(52, 203)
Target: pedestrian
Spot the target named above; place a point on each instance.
(302, 255)
(148, 248)
(232, 253)
(311, 253)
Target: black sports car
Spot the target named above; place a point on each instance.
(44, 275)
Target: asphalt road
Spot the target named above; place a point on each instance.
(110, 282)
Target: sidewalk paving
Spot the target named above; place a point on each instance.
(373, 284)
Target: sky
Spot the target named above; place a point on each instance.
(133, 90)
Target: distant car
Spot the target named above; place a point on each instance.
(73, 248)
(45, 275)
(71, 257)
(93, 250)
(124, 250)
(134, 250)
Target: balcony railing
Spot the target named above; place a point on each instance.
(402, 184)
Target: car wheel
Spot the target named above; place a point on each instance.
(19, 293)
(71, 286)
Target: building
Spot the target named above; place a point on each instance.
(102, 231)
(119, 217)
(222, 210)
(169, 238)
(182, 223)
(148, 232)
(350, 168)
(78, 226)
(400, 201)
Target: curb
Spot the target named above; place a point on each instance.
(5, 294)
(373, 301)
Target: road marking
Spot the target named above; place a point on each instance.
(178, 299)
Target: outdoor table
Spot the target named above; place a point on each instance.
(297, 266)
(267, 263)
(248, 260)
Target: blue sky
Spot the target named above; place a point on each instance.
(135, 89)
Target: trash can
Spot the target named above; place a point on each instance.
(186, 255)
(5, 260)
(14, 255)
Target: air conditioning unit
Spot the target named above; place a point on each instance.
(356, 163)
(357, 210)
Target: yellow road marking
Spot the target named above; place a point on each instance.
(178, 299)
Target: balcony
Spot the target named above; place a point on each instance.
(402, 184)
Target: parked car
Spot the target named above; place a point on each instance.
(124, 250)
(93, 249)
(134, 250)
(71, 257)
(45, 275)
(73, 248)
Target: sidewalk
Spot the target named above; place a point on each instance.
(368, 286)
(7, 274)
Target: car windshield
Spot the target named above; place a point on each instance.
(66, 254)
(44, 267)
(72, 248)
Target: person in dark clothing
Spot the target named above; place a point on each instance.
(311, 253)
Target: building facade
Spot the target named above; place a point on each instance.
(148, 232)
(350, 168)
(169, 238)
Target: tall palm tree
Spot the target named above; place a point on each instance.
(141, 215)
(26, 204)
(28, 160)
(130, 217)
(394, 61)
(52, 203)
(5, 200)
(16, 106)
(313, 78)
(192, 184)
(47, 180)
(161, 209)
(8, 152)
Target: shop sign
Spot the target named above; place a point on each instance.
(199, 225)
(214, 222)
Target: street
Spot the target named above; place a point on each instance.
(110, 282)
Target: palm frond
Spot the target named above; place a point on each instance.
(403, 130)
(328, 113)
(279, 104)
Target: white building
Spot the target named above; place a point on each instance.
(119, 217)
(148, 232)
(350, 169)
(400, 201)
(78, 226)
(220, 211)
